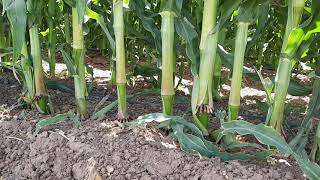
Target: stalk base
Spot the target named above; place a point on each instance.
(167, 104)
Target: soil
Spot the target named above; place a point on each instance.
(105, 149)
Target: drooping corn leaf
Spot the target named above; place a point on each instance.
(171, 5)
(265, 135)
(191, 138)
(147, 21)
(100, 20)
(263, 12)
(69, 62)
(226, 10)
(268, 136)
(81, 8)
(55, 85)
(53, 120)
(187, 31)
(17, 14)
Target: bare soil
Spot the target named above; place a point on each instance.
(106, 150)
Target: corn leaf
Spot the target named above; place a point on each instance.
(187, 31)
(53, 120)
(69, 62)
(147, 21)
(226, 10)
(265, 135)
(100, 20)
(268, 136)
(81, 8)
(17, 15)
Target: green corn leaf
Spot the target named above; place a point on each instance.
(268, 136)
(296, 89)
(171, 5)
(263, 12)
(17, 14)
(53, 120)
(265, 135)
(310, 169)
(226, 10)
(155, 117)
(147, 21)
(191, 143)
(248, 11)
(100, 20)
(55, 85)
(71, 3)
(81, 8)
(69, 62)
(104, 110)
(228, 58)
(187, 31)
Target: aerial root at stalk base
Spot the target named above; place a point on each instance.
(122, 118)
(204, 108)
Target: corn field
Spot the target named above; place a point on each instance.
(196, 58)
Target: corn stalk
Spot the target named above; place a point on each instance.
(167, 82)
(295, 11)
(34, 9)
(52, 37)
(121, 80)
(78, 55)
(240, 48)
(208, 49)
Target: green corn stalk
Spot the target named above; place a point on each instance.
(67, 24)
(120, 58)
(78, 55)
(247, 14)
(208, 49)
(34, 8)
(52, 37)
(240, 48)
(35, 50)
(26, 66)
(167, 82)
(2, 33)
(217, 68)
(295, 11)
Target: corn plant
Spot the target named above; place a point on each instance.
(208, 47)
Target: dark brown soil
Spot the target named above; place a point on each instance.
(106, 150)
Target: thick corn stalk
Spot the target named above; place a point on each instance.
(52, 38)
(295, 11)
(41, 94)
(208, 49)
(78, 55)
(240, 48)
(167, 82)
(120, 59)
